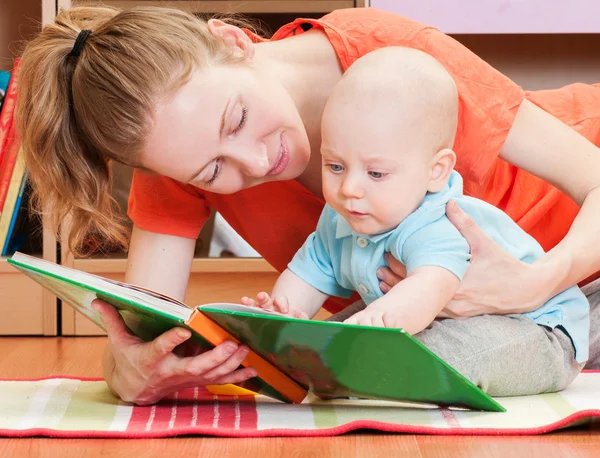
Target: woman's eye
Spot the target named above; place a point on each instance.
(242, 120)
(377, 175)
(216, 172)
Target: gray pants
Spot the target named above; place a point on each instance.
(508, 355)
(592, 292)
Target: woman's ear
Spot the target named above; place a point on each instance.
(233, 36)
(442, 165)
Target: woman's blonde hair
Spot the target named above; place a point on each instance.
(75, 115)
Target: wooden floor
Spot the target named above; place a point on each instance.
(39, 357)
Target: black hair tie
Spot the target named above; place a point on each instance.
(79, 42)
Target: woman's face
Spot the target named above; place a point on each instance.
(228, 128)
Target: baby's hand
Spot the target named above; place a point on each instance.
(278, 304)
(263, 301)
(372, 316)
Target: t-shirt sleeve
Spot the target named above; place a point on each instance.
(160, 204)
(313, 264)
(436, 244)
(488, 100)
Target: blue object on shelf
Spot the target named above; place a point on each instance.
(4, 79)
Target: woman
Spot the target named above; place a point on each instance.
(212, 115)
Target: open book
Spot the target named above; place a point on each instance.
(291, 356)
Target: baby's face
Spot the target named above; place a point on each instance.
(369, 177)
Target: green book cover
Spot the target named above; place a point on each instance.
(330, 359)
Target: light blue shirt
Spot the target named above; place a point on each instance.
(337, 261)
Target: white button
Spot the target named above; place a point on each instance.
(362, 242)
(362, 289)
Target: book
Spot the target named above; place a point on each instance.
(8, 135)
(292, 356)
(13, 238)
(4, 79)
(12, 204)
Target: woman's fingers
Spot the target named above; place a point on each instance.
(392, 275)
(478, 240)
(115, 327)
(164, 344)
(398, 269)
(218, 362)
(228, 366)
(207, 361)
(238, 376)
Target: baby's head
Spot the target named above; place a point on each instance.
(387, 134)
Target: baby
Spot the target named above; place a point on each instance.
(388, 173)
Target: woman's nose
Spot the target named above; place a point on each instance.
(258, 164)
(253, 159)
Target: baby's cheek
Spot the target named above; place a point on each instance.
(329, 194)
(391, 214)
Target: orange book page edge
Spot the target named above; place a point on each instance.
(216, 335)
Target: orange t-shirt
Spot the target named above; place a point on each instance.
(275, 218)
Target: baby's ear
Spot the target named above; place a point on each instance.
(442, 165)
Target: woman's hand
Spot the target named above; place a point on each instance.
(495, 283)
(145, 372)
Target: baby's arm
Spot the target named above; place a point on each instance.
(291, 296)
(299, 294)
(310, 277)
(436, 257)
(413, 303)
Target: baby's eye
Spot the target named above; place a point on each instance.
(335, 167)
(377, 175)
